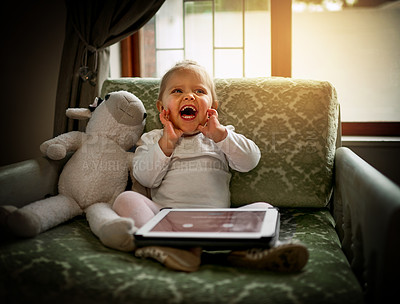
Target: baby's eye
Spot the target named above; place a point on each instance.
(176, 91)
(200, 91)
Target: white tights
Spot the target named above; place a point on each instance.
(141, 209)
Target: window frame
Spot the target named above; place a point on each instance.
(281, 65)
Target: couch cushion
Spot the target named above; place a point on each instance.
(293, 121)
(68, 264)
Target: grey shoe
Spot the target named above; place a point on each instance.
(172, 258)
(290, 257)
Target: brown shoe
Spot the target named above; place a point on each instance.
(172, 258)
(283, 258)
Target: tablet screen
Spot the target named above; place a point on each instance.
(211, 221)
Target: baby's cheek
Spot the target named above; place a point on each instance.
(204, 120)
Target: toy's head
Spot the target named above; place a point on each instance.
(121, 117)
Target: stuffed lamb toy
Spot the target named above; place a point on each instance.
(95, 175)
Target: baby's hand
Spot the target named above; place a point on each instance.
(171, 134)
(212, 128)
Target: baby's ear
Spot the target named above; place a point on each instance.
(215, 104)
(159, 105)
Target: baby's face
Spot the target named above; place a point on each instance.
(188, 98)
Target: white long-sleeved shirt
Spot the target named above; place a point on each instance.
(196, 175)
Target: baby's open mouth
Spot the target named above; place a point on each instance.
(188, 112)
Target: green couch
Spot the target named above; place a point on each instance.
(346, 213)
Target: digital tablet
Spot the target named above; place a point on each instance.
(228, 228)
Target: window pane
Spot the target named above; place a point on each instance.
(228, 23)
(169, 25)
(167, 59)
(257, 39)
(228, 63)
(357, 50)
(198, 33)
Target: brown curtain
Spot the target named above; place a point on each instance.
(91, 27)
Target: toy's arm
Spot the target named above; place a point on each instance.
(57, 147)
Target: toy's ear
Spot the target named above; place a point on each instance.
(97, 102)
(79, 113)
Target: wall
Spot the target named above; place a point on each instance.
(115, 60)
(381, 153)
(31, 48)
(357, 50)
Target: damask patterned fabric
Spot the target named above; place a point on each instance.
(293, 121)
(68, 264)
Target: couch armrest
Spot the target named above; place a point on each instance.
(30, 180)
(367, 213)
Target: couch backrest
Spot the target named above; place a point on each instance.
(294, 122)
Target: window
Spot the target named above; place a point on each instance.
(222, 35)
(351, 43)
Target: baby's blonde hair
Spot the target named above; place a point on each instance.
(188, 65)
